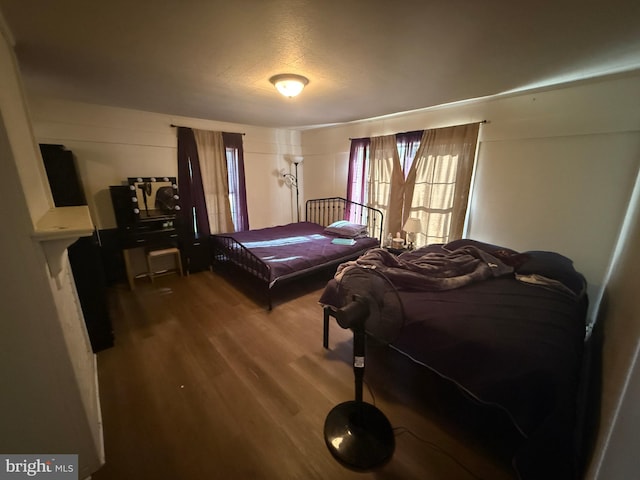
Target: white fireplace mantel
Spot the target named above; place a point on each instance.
(58, 229)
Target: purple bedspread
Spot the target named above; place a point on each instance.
(431, 271)
(292, 249)
(507, 343)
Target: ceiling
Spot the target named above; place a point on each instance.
(213, 59)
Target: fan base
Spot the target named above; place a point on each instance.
(359, 436)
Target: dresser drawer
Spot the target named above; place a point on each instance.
(150, 238)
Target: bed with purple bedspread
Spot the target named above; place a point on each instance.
(277, 254)
(294, 249)
(508, 328)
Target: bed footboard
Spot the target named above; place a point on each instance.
(325, 211)
(227, 249)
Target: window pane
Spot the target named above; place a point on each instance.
(358, 185)
(234, 182)
(437, 227)
(407, 145)
(358, 170)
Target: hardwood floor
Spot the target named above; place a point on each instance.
(205, 383)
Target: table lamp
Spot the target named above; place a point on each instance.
(412, 226)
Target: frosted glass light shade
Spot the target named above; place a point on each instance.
(289, 84)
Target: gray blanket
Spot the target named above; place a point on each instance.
(432, 271)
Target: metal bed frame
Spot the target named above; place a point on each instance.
(323, 211)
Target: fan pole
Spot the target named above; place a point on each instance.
(358, 360)
(357, 433)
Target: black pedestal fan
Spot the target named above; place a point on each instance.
(357, 433)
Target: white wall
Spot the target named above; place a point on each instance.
(617, 452)
(49, 402)
(555, 171)
(111, 144)
(558, 174)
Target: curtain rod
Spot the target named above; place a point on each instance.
(448, 126)
(178, 126)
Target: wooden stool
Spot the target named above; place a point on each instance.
(155, 254)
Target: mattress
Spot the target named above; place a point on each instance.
(514, 341)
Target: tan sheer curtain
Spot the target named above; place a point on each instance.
(385, 181)
(438, 183)
(213, 166)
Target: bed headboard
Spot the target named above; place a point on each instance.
(325, 211)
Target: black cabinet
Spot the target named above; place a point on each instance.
(111, 253)
(62, 174)
(91, 285)
(85, 254)
(196, 254)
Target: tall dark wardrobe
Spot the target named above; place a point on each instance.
(84, 255)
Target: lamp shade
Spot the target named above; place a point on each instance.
(412, 225)
(289, 84)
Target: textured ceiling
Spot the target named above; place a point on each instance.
(212, 59)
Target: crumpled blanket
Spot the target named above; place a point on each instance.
(431, 271)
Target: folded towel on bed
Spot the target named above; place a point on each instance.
(343, 241)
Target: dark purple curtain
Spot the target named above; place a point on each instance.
(193, 217)
(357, 176)
(356, 179)
(241, 216)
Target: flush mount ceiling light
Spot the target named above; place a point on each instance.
(289, 84)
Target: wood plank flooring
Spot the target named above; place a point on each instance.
(205, 383)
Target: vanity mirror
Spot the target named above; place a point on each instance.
(154, 196)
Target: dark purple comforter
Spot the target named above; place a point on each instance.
(296, 248)
(510, 344)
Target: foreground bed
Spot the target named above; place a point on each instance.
(335, 230)
(512, 340)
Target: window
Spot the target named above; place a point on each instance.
(223, 160)
(234, 186)
(430, 178)
(358, 170)
(235, 194)
(408, 144)
(234, 153)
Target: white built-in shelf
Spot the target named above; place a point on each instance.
(64, 222)
(59, 228)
